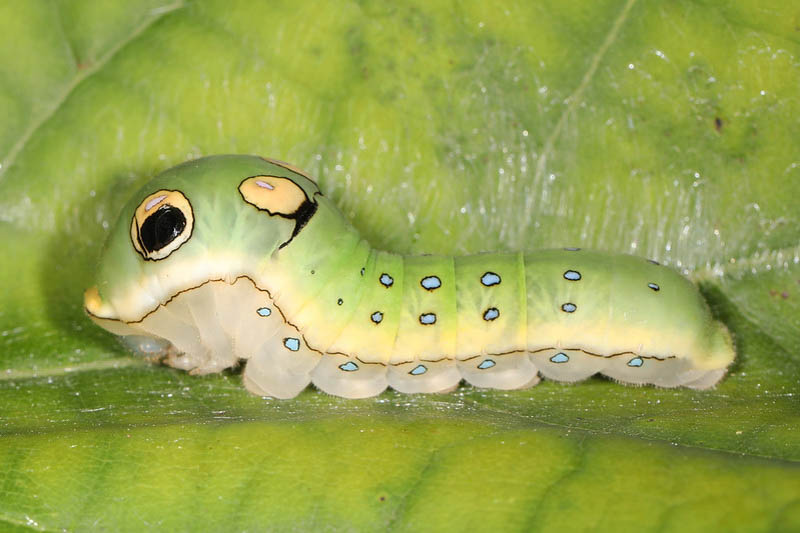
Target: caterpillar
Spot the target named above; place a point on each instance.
(233, 259)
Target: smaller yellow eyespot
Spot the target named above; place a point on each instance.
(273, 194)
(161, 224)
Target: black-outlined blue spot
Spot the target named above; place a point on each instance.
(572, 249)
(654, 287)
(419, 369)
(431, 282)
(348, 366)
(490, 278)
(636, 361)
(427, 318)
(572, 275)
(569, 307)
(560, 357)
(340, 301)
(486, 363)
(292, 343)
(376, 317)
(362, 271)
(386, 280)
(491, 314)
(264, 311)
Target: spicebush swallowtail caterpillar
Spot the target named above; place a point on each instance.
(231, 259)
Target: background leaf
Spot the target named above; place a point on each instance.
(663, 129)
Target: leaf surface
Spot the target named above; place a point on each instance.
(662, 129)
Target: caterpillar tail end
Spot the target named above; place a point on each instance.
(721, 355)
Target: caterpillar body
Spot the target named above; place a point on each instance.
(240, 259)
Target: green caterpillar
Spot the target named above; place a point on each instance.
(239, 258)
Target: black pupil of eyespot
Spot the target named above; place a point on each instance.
(161, 228)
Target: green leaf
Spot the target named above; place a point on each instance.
(663, 129)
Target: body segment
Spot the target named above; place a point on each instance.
(273, 275)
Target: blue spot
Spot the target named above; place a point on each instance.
(654, 287)
(431, 282)
(636, 361)
(569, 307)
(486, 363)
(427, 318)
(419, 369)
(572, 249)
(362, 271)
(560, 358)
(491, 314)
(386, 280)
(340, 301)
(490, 278)
(292, 343)
(376, 317)
(349, 366)
(264, 311)
(572, 275)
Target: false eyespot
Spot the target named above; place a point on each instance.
(274, 194)
(161, 223)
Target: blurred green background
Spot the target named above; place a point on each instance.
(663, 129)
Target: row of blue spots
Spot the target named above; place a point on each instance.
(561, 357)
(348, 366)
(376, 317)
(569, 307)
(386, 280)
(573, 275)
(427, 318)
(431, 283)
(418, 370)
(264, 311)
(489, 279)
(291, 343)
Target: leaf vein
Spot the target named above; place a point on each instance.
(573, 99)
(81, 75)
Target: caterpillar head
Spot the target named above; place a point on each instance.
(212, 218)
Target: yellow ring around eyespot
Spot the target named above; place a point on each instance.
(150, 205)
(273, 194)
